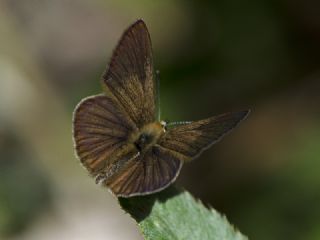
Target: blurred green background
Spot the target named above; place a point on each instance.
(214, 57)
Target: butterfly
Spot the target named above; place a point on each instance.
(117, 135)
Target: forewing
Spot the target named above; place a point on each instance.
(129, 78)
(149, 173)
(191, 139)
(100, 133)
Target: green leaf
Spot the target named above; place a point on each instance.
(174, 214)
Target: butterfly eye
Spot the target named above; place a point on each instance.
(164, 125)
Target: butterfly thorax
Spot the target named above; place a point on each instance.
(147, 136)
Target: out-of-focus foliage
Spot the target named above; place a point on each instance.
(214, 56)
(24, 190)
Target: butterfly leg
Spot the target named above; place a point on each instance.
(158, 95)
(100, 178)
(115, 167)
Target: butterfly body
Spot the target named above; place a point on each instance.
(148, 136)
(116, 135)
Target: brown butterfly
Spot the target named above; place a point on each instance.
(117, 135)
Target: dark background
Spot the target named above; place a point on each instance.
(214, 57)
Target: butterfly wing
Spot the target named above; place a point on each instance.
(188, 141)
(148, 173)
(100, 134)
(129, 78)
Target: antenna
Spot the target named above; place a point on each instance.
(178, 123)
(158, 95)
